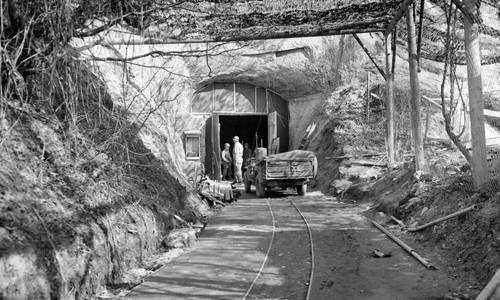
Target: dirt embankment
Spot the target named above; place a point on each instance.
(83, 200)
(339, 132)
(468, 246)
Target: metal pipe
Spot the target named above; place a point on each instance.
(490, 288)
(458, 213)
(408, 249)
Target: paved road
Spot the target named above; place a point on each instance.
(231, 250)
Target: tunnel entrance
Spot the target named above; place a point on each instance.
(250, 129)
(258, 130)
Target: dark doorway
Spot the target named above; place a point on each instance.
(250, 129)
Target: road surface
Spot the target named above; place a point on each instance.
(235, 259)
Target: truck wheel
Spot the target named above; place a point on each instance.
(248, 184)
(260, 189)
(302, 189)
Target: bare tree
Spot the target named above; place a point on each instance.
(449, 108)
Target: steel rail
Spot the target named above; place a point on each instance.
(267, 253)
(311, 274)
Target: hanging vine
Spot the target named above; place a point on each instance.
(449, 108)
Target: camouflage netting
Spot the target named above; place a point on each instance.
(434, 33)
(247, 20)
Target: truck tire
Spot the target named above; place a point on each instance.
(260, 189)
(248, 184)
(302, 189)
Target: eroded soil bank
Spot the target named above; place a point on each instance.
(83, 200)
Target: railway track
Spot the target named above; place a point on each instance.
(271, 246)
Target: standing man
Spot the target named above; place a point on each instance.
(227, 161)
(238, 159)
(247, 154)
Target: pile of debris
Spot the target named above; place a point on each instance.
(217, 193)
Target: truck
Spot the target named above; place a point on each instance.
(288, 169)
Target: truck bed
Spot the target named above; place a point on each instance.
(285, 169)
(297, 164)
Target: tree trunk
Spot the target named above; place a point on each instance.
(472, 49)
(416, 122)
(338, 63)
(389, 102)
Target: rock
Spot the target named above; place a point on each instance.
(5, 239)
(418, 174)
(52, 146)
(340, 185)
(452, 170)
(4, 125)
(412, 202)
(101, 159)
(381, 218)
(346, 149)
(419, 188)
(76, 178)
(465, 168)
(180, 238)
(457, 296)
(424, 210)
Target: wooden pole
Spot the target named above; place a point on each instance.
(473, 54)
(455, 214)
(389, 101)
(490, 289)
(368, 89)
(416, 123)
(216, 147)
(420, 31)
(368, 54)
(408, 249)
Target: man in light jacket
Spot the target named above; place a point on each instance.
(238, 159)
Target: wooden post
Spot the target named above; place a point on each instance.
(389, 101)
(216, 147)
(367, 97)
(473, 54)
(416, 122)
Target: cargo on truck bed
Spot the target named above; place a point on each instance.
(296, 164)
(288, 169)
